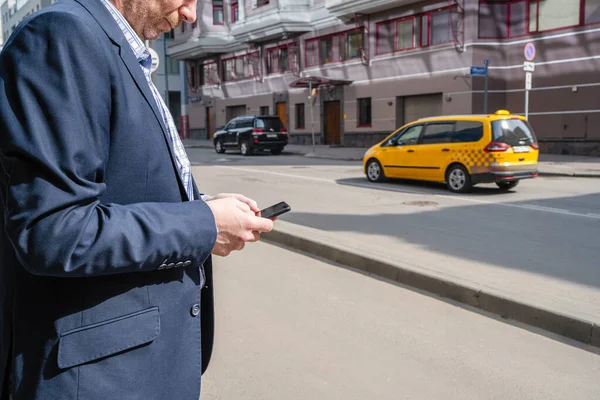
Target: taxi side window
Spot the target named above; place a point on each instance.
(468, 131)
(438, 133)
(410, 136)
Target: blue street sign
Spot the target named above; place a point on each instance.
(479, 71)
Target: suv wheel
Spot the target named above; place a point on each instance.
(507, 185)
(458, 179)
(374, 171)
(245, 149)
(219, 148)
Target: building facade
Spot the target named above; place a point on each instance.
(382, 63)
(168, 78)
(15, 11)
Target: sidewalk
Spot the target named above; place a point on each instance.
(549, 164)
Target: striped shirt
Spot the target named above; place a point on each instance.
(145, 60)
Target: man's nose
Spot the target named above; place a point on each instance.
(188, 11)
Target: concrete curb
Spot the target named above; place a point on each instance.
(569, 174)
(580, 330)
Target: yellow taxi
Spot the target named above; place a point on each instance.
(461, 151)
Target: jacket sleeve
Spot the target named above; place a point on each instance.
(55, 133)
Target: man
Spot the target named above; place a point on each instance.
(105, 241)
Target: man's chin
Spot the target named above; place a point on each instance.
(152, 34)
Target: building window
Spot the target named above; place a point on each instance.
(278, 59)
(210, 73)
(264, 110)
(170, 34)
(592, 11)
(240, 67)
(217, 12)
(364, 112)
(338, 47)
(422, 30)
(300, 116)
(172, 66)
(193, 75)
(354, 44)
(515, 18)
(235, 11)
(260, 3)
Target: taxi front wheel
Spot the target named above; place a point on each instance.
(458, 179)
(374, 171)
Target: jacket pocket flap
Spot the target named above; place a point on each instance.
(103, 339)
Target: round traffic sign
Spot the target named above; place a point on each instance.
(529, 51)
(155, 60)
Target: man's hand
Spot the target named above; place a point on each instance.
(251, 203)
(235, 216)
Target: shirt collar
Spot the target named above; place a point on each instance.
(137, 45)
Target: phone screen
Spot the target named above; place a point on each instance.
(275, 210)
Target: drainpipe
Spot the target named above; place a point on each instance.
(184, 131)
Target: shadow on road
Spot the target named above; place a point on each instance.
(552, 244)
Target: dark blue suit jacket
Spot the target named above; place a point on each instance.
(92, 207)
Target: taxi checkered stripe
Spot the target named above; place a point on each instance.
(473, 158)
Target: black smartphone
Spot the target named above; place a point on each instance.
(275, 210)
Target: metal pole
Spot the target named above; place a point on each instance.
(312, 117)
(526, 103)
(485, 96)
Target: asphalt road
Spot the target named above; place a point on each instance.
(537, 244)
(293, 327)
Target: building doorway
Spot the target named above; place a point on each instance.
(332, 124)
(282, 113)
(234, 111)
(210, 123)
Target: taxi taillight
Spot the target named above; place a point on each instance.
(496, 147)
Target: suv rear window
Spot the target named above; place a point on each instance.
(269, 124)
(514, 132)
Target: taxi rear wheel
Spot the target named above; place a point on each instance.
(507, 185)
(458, 179)
(375, 171)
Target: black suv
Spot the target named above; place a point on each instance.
(249, 133)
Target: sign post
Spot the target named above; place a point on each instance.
(485, 95)
(528, 67)
(483, 71)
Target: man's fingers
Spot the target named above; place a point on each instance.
(253, 236)
(261, 225)
(251, 203)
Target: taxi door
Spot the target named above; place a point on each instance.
(435, 151)
(399, 156)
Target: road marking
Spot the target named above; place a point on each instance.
(278, 174)
(530, 207)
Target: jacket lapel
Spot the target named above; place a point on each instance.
(112, 30)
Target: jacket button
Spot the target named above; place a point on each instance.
(195, 311)
(171, 265)
(187, 263)
(179, 265)
(162, 266)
